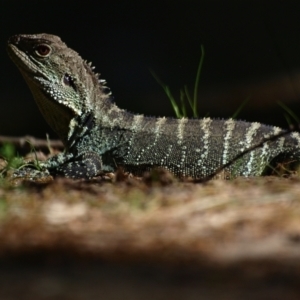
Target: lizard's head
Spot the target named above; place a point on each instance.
(62, 83)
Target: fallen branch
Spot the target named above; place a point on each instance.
(26, 143)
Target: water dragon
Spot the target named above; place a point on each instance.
(100, 137)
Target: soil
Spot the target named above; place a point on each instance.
(122, 237)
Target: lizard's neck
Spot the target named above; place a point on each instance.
(109, 115)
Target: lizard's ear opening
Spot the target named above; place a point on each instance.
(69, 81)
(43, 50)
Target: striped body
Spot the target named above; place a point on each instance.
(100, 137)
(197, 147)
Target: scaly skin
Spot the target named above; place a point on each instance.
(99, 136)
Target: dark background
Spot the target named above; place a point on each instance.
(252, 51)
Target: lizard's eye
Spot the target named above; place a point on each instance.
(68, 80)
(43, 50)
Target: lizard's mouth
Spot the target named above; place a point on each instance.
(21, 59)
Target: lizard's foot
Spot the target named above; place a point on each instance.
(31, 174)
(85, 166)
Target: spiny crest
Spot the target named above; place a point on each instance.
(101, 82)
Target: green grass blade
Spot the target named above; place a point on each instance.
(240, 107)
(173, 102)
(183, 106)
(195, 108)
(289, 121)
(289, 111)
(188, 96)
(169, 94)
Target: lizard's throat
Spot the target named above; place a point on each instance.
(55, 114)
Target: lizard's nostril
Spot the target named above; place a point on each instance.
(14, 39)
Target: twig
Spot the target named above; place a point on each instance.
(25, 143)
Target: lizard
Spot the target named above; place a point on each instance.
(100, 137)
